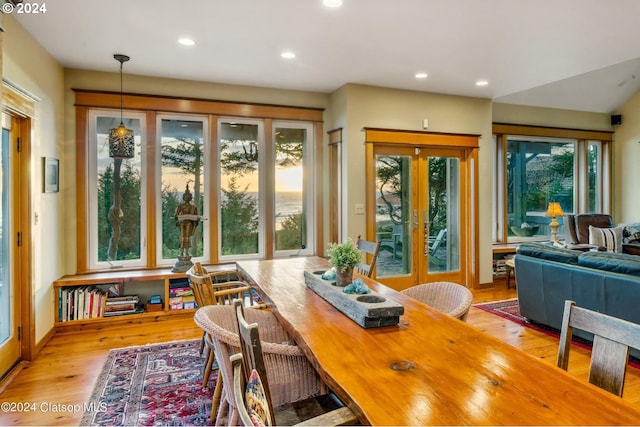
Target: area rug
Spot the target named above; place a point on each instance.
(157, 384)
(510, 310)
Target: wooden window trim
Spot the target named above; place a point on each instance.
(551, 132)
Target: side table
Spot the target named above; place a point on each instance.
(510, 266)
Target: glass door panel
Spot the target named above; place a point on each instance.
(9, 289)
(394, 210)
(441, 219)
(5, 292)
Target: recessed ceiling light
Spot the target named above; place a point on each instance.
(332, 3)
(186, 41)
(482, 83)
(287, 54)
(421, 75)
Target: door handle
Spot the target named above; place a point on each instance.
(425, 233)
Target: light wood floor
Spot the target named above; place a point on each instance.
(65, 371)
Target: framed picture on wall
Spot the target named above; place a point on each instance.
(50, 175)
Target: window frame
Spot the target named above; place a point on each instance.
(582, 139)
(308, 190)
(151, 106)
(206, 143)
(92, 180)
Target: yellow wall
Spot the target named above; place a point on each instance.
(626, 160)
(552, 117)
(28, 66)
(369, 106)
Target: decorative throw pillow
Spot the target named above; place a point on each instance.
(256, 399)
(610, 238)
(631, 233)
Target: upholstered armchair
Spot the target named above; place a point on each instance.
(577, 226)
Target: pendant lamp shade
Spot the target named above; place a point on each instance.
(121, 141)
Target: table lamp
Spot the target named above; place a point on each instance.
(554, 211)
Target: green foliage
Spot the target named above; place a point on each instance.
(344, 254)
(239, 216)
(129, 243)
(289, 237)
(393, 178)
(170, 232)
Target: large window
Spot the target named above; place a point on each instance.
(240, 147)
(251, 177)
(293, 194)
(116, 204)
(182, 161)
(534, 170)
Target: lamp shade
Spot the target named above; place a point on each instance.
(121, 142)
(554, 210)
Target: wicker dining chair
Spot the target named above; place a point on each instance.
(251, 367)
(448, 297)
(293, 375)
(216, 288)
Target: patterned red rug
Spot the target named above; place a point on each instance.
(157, 384)
(509, 309)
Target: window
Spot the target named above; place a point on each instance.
(250, 174)
(293, 143)
(182, 164)
(534, 170)
(240, 183)
(116, 202)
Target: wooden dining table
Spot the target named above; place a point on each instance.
(429, 369)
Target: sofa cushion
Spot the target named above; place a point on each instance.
(548, 252)
(610, 238)
(607, 261)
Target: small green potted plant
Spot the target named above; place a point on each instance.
(344, 256)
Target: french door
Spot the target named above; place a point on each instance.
(422, 197)
(10, 352)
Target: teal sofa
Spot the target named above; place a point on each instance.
(602, 281)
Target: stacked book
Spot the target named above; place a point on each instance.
(81, 302)
(128, 304)
(180, 295)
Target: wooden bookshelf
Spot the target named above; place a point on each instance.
(142, 282)
(500, 254)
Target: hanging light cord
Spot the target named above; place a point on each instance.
(121, 121)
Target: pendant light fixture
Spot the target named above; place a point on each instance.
(121, 142)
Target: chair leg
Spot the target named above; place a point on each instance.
(202, 343)
(207, 370)
(215, 402)
(222, 411)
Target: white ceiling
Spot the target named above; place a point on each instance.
(572, 54)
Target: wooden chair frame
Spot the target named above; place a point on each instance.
(370, 249)
(611, 342)
(252, 358)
